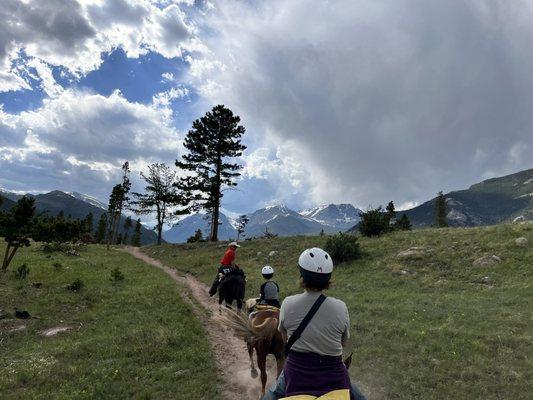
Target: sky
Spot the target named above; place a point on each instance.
(344, 101)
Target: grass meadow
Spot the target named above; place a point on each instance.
(426, 327)
(129, 339)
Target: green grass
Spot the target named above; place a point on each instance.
(449, 330)
(134, 338)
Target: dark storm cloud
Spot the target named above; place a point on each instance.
(58, 25)
(390, 99)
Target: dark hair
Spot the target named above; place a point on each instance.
(313, 280)
(268, 276)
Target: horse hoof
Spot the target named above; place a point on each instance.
(254, 373)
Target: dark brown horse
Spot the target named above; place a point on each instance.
(232, 288)
(260, 332)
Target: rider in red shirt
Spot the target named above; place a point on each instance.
(226, 264)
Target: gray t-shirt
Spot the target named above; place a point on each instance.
(327, 331)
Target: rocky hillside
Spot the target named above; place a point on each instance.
(489, 202)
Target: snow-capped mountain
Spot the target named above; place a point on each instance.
(283, 221)
(338, 216)
(279, 219)
(188, 226)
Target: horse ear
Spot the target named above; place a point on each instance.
(348, 361)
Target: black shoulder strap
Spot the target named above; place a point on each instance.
(298, 332)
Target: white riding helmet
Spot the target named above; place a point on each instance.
(267, 270)
(316, 260)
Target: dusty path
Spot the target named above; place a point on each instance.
(231, 354)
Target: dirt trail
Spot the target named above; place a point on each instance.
(231, 354)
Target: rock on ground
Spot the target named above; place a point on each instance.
(272, 253)
(413, 252)
(54, 331)
(521, 241)
(486, 261)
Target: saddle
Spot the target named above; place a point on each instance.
(254, 307)
(343, 394)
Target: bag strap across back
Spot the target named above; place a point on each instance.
(309, 316)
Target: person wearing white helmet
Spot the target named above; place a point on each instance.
(317, 328)
(269, 289)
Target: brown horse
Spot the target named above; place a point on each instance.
(260, 332)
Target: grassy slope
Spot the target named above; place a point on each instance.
(133, 339)
(439, 333)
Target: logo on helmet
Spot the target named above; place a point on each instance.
(319, 269)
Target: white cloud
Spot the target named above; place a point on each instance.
(85, 136)
(75, 34)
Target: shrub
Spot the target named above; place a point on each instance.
(58, 266)
(23, 271)
(343, 247)
(116, 275)
(403, 223)
(374, 222)
(76, 285)
(197, 237)
(67, 248)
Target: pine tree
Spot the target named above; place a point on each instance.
(374, 222)
(89, 220)
(440, 211)
(136, 239)
(16, 227)
(197, 237)
(213, 140)
(127, 226)
(100, 232)
(160, 197)
(117, 200)
(242, 221)
(403, 223)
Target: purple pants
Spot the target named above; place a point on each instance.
(313, 374)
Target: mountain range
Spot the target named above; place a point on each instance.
(279, 220)
(74, 204)
(489, 202)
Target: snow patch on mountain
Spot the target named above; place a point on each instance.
(88, 199)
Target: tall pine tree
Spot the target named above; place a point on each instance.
(440, 211)
(212, 142)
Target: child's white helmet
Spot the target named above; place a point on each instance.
(267, 270)
(316, 260)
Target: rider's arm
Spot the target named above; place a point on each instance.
(346, 333)
(262, 291)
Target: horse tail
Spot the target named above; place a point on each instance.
(267, 328)
(244, 327)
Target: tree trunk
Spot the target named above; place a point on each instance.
(15, 248)
(216, 205)
(159, 225)
(6, 257)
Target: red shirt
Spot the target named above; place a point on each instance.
(229, 257)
